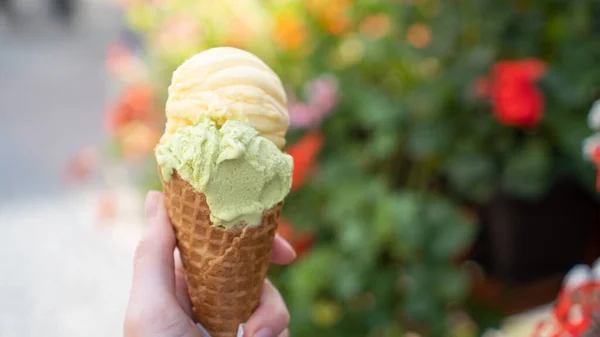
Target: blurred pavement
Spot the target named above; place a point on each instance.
(53, 89)
(61, 274)
(61, 277)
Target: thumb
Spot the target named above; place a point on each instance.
(153, 271)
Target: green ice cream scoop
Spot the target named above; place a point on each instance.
(241, 173)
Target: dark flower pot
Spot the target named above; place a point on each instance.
(522, 242)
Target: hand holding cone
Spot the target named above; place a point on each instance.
(225, 178)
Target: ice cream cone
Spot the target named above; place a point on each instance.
(225, 268)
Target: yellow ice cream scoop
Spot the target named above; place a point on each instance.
(227, 84)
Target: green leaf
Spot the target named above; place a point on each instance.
(427, 139)
(384, 143)
(452, 284)
(449, 233)
(409, 231)
(350, 283)
(472, 175)
(527, 169)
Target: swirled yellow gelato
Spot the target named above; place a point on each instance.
(227, 84)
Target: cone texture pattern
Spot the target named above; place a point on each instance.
(225, 268)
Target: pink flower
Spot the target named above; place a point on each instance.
(82, 165)
(303, 115)
(124, 65)
(179, 32)
(118, 58)
(323, 93)
(322, 97)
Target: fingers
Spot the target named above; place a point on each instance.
(271, 318)
(153, 272)
(154, 307)
(181, 291)
(283, 252)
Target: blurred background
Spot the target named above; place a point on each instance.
(446, 159)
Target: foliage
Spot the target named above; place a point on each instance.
(437, 105)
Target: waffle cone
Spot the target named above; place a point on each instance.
(224, 268)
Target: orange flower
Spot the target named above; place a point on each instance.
(300, 241)
(304, 154)
(375, 26)
(419, 35)
(136, 103)
(289, 31)
(331, 14)
(335, 23)
(238, 35)
(137, 139)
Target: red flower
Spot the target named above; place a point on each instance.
(515, 98)
(531, 69)
(301, 241)
(517, 103)
(304, 153)
(596, 155)
(136, 103)
(573, 314)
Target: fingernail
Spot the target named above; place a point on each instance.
(264, 332)
(152, 203)
(240, 332)
(202, 330)
(288, 246)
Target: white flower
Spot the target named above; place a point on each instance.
(577, 276)
(594, 116)
(590, 146)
